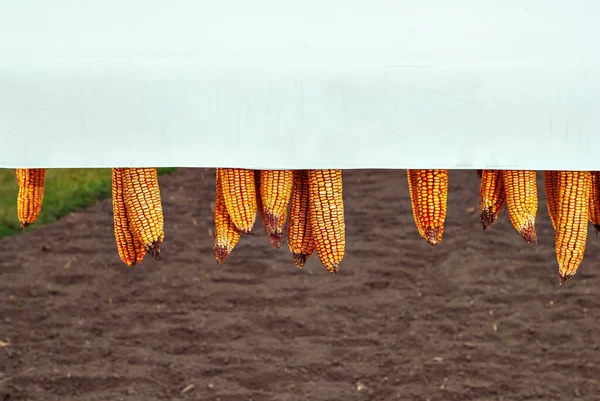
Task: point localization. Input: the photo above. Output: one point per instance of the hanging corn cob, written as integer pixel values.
(520, 188)
(552, 200)
(299, 235)
(131, 250)
(31, 194)
(595, 200)
(144, 208)
(491, 197)
(326, 208)
(227, 235)
(572, 220)
(429, 197)
(239, 192)
(275, 191)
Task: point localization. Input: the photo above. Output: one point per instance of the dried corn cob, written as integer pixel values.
(144, 208)
(595, 200)
(571, 230)
(31, 194)
(300, 236)
(326, 208)
(520, 188)
(227, 235)
(551, 188)
(130, 248)
(239, 191)
(492, 197)
(275, 192)
(429, 196)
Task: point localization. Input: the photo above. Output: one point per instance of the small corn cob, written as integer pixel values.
(300, 236)
(595, 200)
(326, 208)
(144, 208)
(130, 248)
(552, 200)
(239, 191)
(573, 214)
(492, 197)
(275, 192)
(31, 194)
(429, 197)
(520, 188)
(227, 235)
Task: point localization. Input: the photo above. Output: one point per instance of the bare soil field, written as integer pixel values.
(479, 317)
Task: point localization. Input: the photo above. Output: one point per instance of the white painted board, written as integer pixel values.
(314, 84)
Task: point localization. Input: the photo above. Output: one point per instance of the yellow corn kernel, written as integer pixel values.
(131, 249)
(299, 235)
(491, 197)
(595, 200)
(571, 229)
(144, 207)
(551, 189)
(31, 194)
(429, 197)
(227, 235)
(326, 208)
(520, 187)
(275, 192)
(239, 191)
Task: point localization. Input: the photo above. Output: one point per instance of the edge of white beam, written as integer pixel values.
(321, 84)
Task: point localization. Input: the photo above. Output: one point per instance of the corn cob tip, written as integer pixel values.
(154, 250)
(221, 253)
(529, 233)
(24, 224)
(299, 259)
(488, 218)
(333, 268)
(249, 231)
(434, 235)
(563, 278)
(276, 238)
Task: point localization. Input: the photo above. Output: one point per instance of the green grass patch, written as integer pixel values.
(66, 191)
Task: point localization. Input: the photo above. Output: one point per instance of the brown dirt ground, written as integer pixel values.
(480, 317)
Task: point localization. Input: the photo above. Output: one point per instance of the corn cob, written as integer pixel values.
(300, 236)
(595, 200)
(520, 188)
(326, 208)
(144, 208)
(492, 197)
(429, 197)
(551, 188)
(130, 248)
(31, 194)
(239, 191)
(227, 235)
(275, 192)
(573, 213)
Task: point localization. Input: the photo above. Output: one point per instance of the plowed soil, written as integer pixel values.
(479, 317)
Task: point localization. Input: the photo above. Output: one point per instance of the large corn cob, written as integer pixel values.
(130, 248)
(520, 188)
(595, 200)
(573, 214)
(275, 192)
(239, 191)
(300, 236)
(31, 194)
(552, 199)
(227, 235)
(326, 208)
(492, 197)
(429, 197)
(144, 207)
